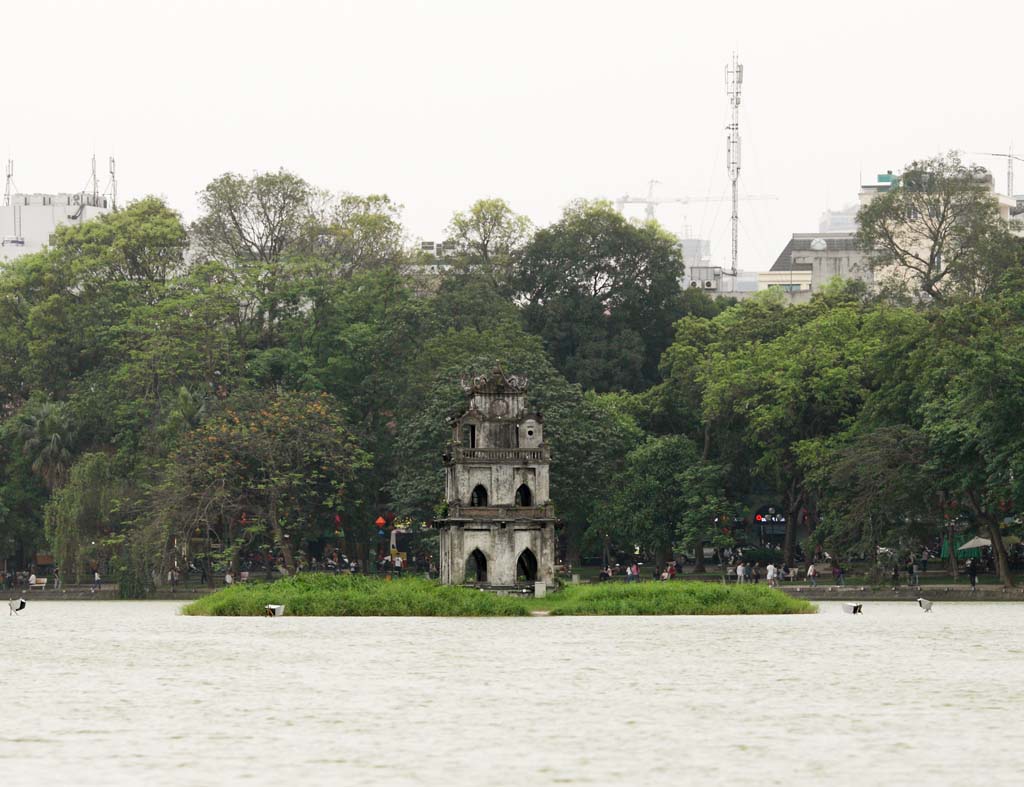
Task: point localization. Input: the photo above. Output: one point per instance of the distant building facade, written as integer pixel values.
(28, 221)
(810, 260)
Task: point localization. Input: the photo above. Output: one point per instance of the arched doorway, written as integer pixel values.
(524, 497)
(478, 497)
(476, 567)
(526, 566)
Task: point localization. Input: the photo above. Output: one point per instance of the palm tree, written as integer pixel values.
(45, 432)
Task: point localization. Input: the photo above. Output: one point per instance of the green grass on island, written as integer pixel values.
(672, 598)
(326, 595)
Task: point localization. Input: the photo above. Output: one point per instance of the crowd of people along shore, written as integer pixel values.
(906, 571)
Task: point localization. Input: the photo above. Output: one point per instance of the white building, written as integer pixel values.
(28, 221)
(844, 220)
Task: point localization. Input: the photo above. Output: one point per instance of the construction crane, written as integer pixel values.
(650, 202)
(1010, 158)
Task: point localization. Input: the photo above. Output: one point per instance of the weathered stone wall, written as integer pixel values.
(497, 444)
(501, 482)
(501, 545)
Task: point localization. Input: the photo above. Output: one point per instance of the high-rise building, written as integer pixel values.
(28, 221)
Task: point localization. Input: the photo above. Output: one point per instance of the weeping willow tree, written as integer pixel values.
(80, 512)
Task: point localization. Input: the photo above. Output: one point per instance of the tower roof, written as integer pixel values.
(495, 382)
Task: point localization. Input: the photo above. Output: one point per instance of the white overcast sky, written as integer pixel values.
(440, 103)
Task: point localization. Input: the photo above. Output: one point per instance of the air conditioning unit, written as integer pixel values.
(709, 285)
(694, 284)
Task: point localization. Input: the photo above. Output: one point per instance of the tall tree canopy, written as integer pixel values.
(602, 293)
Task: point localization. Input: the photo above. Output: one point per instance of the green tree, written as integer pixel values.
(282, 458)
(45, 433)
(603, 294)
(488, 238)
(935, 228)
(83, 512)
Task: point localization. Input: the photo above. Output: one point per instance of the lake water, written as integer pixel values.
(132, 693)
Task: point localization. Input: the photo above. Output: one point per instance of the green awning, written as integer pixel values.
(961, 553)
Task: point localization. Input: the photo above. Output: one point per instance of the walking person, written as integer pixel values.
(96, 584)
(741, 573)
(972, 572)
(812, 575)
(770, 574)
(56, 578)
(757, 573)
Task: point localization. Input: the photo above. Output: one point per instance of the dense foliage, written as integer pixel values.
(277, 376)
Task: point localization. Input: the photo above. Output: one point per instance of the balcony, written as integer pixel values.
(490, 456)
(501, 513)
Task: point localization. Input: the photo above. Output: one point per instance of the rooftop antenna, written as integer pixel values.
(734, 87)
(95, 185)
(10, 181)
(113, 184)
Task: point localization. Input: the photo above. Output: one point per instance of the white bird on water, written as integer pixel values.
(16, 605)
(924, 604)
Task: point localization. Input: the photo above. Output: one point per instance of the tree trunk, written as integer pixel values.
(286, 548)
(793, 502)
(206, 560)
(572, 534)
(953, 566)
(1002, 563)
(698, 559)
(789, 545)
(664, 556)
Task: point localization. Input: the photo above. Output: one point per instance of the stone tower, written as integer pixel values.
(500, 528)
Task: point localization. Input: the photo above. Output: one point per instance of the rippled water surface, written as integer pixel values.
(132, 693)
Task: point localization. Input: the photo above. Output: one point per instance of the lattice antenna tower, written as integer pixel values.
(10, 181)
(734, 88)
(112, 187)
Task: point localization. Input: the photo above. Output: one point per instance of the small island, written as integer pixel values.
(328, 595)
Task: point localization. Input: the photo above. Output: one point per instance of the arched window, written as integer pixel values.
(526, 566)
(478, 497)
(476, 567)
(524, 497)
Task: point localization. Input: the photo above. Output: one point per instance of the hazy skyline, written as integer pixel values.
(438, 104)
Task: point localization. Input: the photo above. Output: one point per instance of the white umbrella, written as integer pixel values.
(975, 543)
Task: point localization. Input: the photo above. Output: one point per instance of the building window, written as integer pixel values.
(478, 497)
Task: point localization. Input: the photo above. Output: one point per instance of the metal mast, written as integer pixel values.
(113, 184)
(734, 86)
(10, 180)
